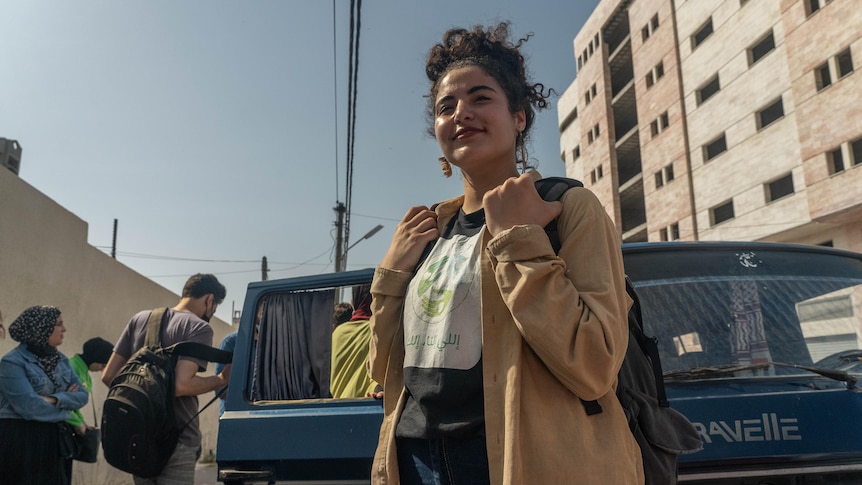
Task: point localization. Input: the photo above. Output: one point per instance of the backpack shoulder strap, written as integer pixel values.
(154, 327)
(552, 189)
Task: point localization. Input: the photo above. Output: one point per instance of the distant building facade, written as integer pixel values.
(10, 155)
(720, 119)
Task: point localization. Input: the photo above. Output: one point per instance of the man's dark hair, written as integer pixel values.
(203, 284)
(342, 313)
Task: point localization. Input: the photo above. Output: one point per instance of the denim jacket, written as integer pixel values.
(23, 382)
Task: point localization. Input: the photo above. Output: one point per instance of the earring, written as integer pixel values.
(523, 150)
(446, 166)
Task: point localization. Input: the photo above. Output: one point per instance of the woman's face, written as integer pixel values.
(472, 121)
(56, 337)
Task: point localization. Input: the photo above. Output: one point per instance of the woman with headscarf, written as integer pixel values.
(38, 391)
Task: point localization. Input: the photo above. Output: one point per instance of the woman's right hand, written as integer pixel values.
(412, 234)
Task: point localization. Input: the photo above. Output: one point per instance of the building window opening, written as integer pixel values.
(702, 34)
(596, 174)
(812, 6)
(670, 233)
(593, 135)
(778, 189)
(845, 63)
(761, 48)
(822, 77)
(663, 176)
(770, 114)
(856, 151)
(659, 124)
(721, 213)
(835, 161)
(715, 148)
(708, 90)
(649, 28)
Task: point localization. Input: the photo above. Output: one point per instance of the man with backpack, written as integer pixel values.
(188, 321)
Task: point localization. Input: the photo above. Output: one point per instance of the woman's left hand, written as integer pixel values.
(515, 203)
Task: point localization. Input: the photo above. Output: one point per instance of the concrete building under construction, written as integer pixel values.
(720, 119)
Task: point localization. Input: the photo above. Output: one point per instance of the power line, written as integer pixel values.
(353, 81)
(257, 270)
(335, 97)
(202, 260)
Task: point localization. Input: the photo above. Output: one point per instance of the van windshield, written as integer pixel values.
(733, 313)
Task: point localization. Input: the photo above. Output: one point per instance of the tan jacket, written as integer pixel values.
(554, 329)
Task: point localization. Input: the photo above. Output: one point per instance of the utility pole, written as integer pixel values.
(114, 244)
(263, 269)
(339, 209)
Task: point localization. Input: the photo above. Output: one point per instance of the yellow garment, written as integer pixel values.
(554, 329)
(350, 377)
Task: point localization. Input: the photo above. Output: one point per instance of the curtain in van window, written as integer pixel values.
(294, 347)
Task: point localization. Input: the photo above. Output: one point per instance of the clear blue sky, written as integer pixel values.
(208, 129)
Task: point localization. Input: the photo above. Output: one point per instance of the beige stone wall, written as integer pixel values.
(570, 136)
(45, 260)
(831, 117)
(595, 71)
(670, 203)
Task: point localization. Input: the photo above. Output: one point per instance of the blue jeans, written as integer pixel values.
(443, 462)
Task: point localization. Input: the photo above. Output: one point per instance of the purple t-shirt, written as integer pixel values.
(180, 327)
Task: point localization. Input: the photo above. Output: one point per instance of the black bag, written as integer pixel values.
(661, 432)
(88, 446)
(88, 443)
(139, 430)
(68, 445)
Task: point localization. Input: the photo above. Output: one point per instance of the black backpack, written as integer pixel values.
(139, 430)
(661, 432)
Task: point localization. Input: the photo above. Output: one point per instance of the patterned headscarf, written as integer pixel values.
(33, 327)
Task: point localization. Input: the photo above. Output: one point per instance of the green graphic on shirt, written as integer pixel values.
(434, 300)
(432, 275)
(435, 303)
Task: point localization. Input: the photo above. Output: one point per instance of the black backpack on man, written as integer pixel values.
(661, 432)
(139, 429)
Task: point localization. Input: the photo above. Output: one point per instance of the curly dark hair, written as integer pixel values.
(490, 49)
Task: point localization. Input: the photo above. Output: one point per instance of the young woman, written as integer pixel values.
(487, 348)
(38, 390)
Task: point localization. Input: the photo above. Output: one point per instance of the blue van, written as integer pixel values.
(759, 343)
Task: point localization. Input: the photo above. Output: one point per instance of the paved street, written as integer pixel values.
(206, 474)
